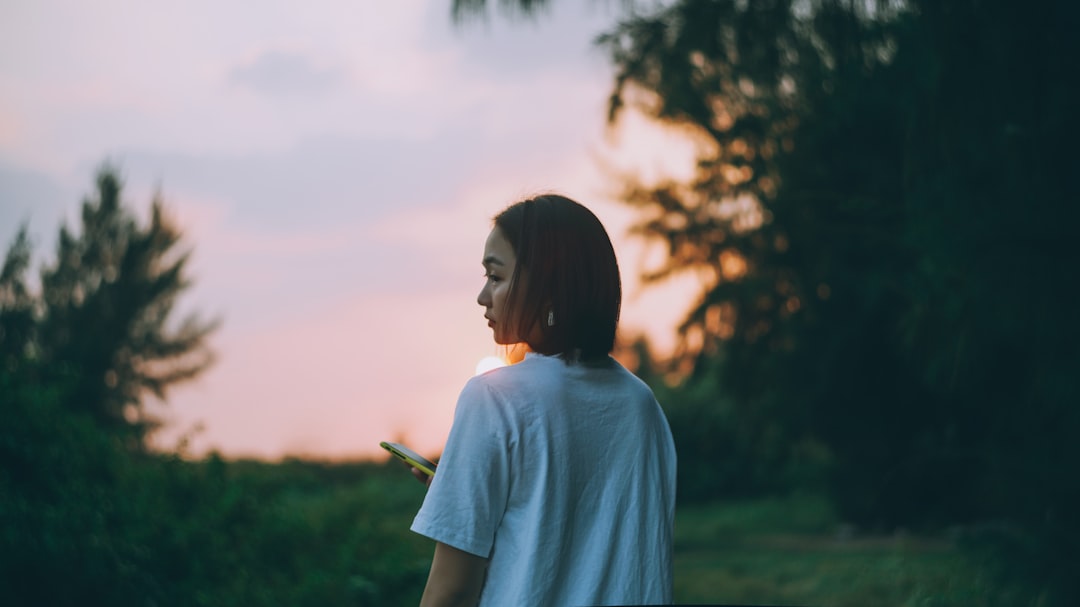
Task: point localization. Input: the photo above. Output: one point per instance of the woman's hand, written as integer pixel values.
(420, 476)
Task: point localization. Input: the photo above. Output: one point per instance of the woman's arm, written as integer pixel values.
(456, 578)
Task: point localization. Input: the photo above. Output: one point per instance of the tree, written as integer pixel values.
(102, 324)
(882, 207)
(16, 305)
(895, 179)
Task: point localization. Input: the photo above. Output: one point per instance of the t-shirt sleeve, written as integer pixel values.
(468, 495)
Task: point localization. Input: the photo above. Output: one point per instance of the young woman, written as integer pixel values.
(557, 482)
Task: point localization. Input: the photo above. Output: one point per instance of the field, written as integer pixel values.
(792, 552)
(295, 533)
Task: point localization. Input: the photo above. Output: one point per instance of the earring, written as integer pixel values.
(551, 318)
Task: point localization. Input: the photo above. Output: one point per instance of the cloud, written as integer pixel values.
(277, 73)
(320, 182)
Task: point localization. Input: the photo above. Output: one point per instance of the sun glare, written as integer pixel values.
(488, 363)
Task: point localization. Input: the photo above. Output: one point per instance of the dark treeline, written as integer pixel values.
(892, 321)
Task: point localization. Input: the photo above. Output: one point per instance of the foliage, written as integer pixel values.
(105, 308)
(880, 213)
(725, 450)
(89, 517)
(88, 522)
(100, 326)
(16, 304)
(899, 299)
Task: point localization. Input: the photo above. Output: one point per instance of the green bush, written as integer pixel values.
(84, 521)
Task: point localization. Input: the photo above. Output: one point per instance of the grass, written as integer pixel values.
(784, 552)
(792, 552)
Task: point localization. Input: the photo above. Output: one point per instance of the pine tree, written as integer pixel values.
(106, 303)
(16, 305)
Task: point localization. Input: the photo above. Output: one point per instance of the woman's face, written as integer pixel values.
(499, 264)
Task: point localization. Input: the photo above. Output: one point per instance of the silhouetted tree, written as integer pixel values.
(16, 305)
(881, 213)
(102, 325)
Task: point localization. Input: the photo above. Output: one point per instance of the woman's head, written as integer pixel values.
(549, 259)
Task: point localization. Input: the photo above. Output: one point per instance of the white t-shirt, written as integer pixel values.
(563, 475)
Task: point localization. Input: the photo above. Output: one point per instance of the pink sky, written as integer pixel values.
(334, 168)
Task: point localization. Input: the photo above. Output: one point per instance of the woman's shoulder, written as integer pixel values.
(525, 371)
(539, 372)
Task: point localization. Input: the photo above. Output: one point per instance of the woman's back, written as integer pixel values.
(563, 475)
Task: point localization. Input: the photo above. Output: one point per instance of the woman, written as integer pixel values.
(557, 482)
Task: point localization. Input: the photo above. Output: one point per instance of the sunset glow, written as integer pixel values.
(488, 363)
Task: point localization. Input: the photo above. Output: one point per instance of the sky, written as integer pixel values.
(334, 167)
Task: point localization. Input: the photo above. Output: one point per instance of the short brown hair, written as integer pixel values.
(566, 266)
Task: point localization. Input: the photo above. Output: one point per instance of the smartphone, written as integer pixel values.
(410, 457)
